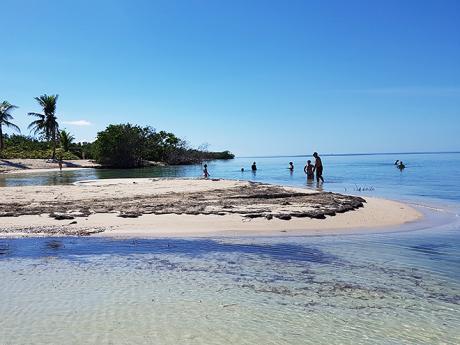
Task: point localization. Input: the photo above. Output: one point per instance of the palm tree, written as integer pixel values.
(47, 124)
(66, 140)
(5, 119)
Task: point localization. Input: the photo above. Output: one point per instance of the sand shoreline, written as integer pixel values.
(190, 207)
(28, 166)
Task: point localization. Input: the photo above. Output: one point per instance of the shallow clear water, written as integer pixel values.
(391, 288)
(375, 289)
(432, 176)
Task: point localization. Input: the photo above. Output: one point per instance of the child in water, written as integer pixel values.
(308, 169)
(205, 171)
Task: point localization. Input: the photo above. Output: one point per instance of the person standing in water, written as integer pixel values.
(291, 166)
(253, 166)
(318, 167)
(60, 157)
(205, 171)
(308, 169)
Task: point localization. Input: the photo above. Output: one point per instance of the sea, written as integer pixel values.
(397, 287)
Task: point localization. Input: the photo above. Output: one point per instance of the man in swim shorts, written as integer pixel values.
(318, 167)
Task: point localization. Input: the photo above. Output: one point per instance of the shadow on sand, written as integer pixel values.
(6, 163)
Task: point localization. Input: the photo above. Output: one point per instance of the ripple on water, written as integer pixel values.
(169, 291)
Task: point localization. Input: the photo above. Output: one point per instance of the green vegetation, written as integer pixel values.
(121, 146)
(66, 139)
(5, 120)
(127, 146)
(46, 125)
(21, 146)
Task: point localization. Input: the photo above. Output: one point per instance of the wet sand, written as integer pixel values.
(189, 207)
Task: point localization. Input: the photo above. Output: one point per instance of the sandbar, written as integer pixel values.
(153, 207)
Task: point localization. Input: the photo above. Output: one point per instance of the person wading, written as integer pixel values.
(309, 170)
(318, 167)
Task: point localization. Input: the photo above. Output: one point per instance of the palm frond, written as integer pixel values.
(37, 115)
(6, 107)
(47, 123)
(12, 125)
(5, 116)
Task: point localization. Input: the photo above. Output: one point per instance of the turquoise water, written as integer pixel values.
(431, 176)
(390, 288)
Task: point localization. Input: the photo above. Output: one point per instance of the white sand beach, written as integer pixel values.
(189, 207)
(19, 166)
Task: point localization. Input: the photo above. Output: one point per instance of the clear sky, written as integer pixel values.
(255, 77)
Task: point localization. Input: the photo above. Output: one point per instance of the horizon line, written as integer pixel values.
(359, 154)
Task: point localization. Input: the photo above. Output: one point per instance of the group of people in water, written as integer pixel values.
(309, 169)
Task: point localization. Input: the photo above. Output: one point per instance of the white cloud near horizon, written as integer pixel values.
(80, 123)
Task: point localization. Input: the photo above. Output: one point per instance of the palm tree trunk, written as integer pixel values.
(54, 145)
(1, 138)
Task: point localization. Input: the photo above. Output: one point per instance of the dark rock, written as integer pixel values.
(8, 214)
(193, 213)
(283, 216)
(54, 244)
(61, 216)
(130, 214)
(253, 215)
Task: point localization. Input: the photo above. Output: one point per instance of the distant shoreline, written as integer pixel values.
(18, 165)
(358, 154)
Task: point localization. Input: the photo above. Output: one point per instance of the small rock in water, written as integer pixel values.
(54, 244)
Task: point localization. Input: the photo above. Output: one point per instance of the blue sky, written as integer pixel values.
(254, 77)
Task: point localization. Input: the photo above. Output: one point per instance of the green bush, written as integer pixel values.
(25, 143)
(14, 153)
(120, 146)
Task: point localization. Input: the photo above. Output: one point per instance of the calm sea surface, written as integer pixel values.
(391, 288)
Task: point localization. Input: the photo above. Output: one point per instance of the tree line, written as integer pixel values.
(121, 145)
